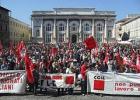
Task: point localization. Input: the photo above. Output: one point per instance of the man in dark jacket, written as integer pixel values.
(36, 78)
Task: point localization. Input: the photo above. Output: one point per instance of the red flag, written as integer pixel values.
(106, 58)
(90, 43)
(21, 50)
(119, 59)
(125, 60)
(54, 51)
(138, 62)
(29, 68)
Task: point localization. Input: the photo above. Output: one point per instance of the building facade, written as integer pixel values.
(129, 25)
(132, 27)
(19, 30)
(4, 26)
(118, 28)
(72, 25)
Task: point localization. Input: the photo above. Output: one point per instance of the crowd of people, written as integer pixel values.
(74, 58)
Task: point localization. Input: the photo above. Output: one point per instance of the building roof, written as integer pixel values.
(132, 15)
(130, 20)
(123, 20)
(18, 21)
(74, 11)
(4, 8)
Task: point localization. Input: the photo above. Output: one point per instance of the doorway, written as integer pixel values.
(74, 38)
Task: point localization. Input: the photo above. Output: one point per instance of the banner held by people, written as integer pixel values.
(113, 83)
(13, 81)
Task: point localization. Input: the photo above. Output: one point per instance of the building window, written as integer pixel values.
(61, 37)
(37, 33)
(61, 27)
(73, 27)
(23, 35)
(11, 34)
(48, 38)
(6, 29)
(49, 27)
(99, 27)
(109, 35)
(86, 27)
(1, 28)
(86, 36)
(99, 37)
(14, 34)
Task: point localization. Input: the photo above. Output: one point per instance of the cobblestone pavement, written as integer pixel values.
(76, 96)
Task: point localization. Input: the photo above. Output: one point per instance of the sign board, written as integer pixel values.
(12, 81)
(113, 83)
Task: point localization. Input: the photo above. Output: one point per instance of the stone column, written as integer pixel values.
(67, 31)
(41, 29)
(80, 30)
(93, 30)
(54, 32)
(32, 25)
(105, 31)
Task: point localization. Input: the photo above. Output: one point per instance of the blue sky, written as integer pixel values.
(22, 9)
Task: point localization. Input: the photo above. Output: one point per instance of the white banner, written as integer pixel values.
(12, 81)
(113, 83)
(59, 81)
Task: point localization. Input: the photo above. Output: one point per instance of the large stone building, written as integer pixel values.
(19, 30)
(72, 25)
(118, 28)
(4, 26)
(129, 25)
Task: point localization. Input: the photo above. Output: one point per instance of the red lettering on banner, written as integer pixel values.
(57, 77)
(120, 84)
(48, 78)
(10, 75)
(134, 85)
(13, 80)
(6, 87)
(123, 89)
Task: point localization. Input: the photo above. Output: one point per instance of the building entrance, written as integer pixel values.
(74, 38)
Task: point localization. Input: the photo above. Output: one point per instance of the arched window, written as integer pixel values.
(48, 38)
(37, 33)
(61, 37)
(86, 27)
(99, 27)
(61, 27)
(85, 36)
(49, 27)
(73, 27)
